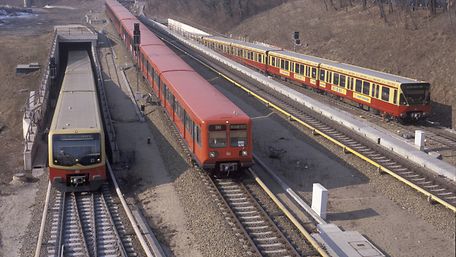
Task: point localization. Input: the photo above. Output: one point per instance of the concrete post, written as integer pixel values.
(419, 139)
(319, 199)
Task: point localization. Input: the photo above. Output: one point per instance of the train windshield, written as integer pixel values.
(415, 94)
(238, 135)
(72, 149)
(217, 136)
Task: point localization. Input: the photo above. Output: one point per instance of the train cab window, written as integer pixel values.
(359, 86)
(402, 100)
(238, 135)
(342, 80)
(72, 149)
(366, 88)
(322, 75)
(336, 79)
(217, 136)
(385, 94)
(394, 96)
(314, 73)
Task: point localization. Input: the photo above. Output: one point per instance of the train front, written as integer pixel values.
(415, 101)
(229, 145)
(76, 160)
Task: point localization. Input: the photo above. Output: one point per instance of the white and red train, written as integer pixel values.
(216, 131)
(76, 137)
(387, 94)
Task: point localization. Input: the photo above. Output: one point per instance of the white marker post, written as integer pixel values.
(419, 139)
(319, 199)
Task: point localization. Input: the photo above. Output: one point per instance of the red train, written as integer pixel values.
(391, 95)
(216, 131)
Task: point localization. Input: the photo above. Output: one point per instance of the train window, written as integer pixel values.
(377, 91)
(71, 149)
(350, 85)
(385, 94)
(287, 65)
(163, 88)
(394, 96)
(282, 64)
(156, 79)
(197, 134)
(301, 69)
(273, 61)
(359, 86)
(217, 136)
(322, 75)
(314, 73)
(188, 123)
(402, 100)
(336, 78)
(241, 53)
(373, 91)
(342, 80)
(238, 135)
(366, 87)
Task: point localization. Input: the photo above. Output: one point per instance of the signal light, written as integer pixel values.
(296, 35)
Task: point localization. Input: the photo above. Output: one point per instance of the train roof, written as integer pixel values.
(166, 61)
(386, 78)
(248, 45)
(357, 71)
(77, 106)
(147, 37)
(119, 10)
(206, 102)
(353, 70)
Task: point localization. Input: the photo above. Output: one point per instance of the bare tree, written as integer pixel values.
(326, 5)
(432, 7)
(364, 4)
(381, 9)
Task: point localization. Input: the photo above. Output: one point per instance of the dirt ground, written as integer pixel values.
(412, 45)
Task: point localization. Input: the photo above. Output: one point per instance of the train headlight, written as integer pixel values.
(244, 153)
(212, 154)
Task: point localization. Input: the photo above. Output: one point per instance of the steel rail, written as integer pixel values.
(290, 216)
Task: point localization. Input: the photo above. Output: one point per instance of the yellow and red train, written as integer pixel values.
(391, 95)
(76, 138)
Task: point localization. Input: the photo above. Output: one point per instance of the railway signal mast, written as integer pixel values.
(296, 40)
(136, 42)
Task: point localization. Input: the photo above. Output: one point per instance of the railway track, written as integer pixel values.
(433, 187)
(87, 224)
(244, 212)
(438, 139)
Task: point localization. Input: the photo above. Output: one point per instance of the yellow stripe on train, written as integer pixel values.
(362, 97)
(339, 90)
